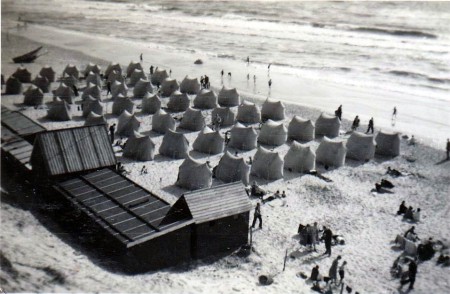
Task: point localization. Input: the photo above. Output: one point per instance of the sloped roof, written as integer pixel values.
(19, 123)
(16, 147)
(72, 150)
(217, 202)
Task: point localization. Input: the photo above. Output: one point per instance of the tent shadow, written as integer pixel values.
(163, 158)
(382, 158)
(152, 134)
(199, 155)
(174, 190)
(290, 175)
(354, 163)
(442, 161)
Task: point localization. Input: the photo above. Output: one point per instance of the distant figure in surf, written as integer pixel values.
(221, 73)
(229, 75)
(270, 83)
(355, 123)
(141, 58)
(268, 67)
(370, 127)
(394, 113)
(254, 79)
(248, 60)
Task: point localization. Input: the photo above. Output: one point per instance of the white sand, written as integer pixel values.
(367, 221)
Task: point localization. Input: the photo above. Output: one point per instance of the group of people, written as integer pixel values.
(408, 212)
(382, 185)
(309, 236)
(204, 82)
(332, 278)
(356, 121)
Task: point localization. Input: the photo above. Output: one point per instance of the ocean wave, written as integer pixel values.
(403, 73)
(406, 33)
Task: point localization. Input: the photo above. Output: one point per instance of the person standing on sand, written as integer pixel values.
(394, 112)
(338, 112)
(248, 60)
(342, 272)
(248, 77)
(151, 69)
(221, 73)
(370, 127)
(355, 123)
(257, 216)
(254, 79)
(412, 271)
(448, 149)
(112, 130)
(327, 236)
(108, 88)
(270, 83)
(141, 58)
(332, 273)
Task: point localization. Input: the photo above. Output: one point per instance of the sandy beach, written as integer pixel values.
(32, 243)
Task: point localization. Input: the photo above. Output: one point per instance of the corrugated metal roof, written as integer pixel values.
(119, 205)
(19, 123)
(16, 147)
(217, 202)
(76, 149)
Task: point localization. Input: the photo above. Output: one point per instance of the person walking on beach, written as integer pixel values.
(151, 69)
(355, 123)
(221, 73)
(327, 236)
(338, 112)
(248, 77)
(270, 83)
(268, 67)
(108, 88)
(248, 60)
(412, 271)
(448, 149)
(332, 273)
(370, 127)
(257, 216)
(75, 90)
(394, 113)
(206, 82)
(342, 272)
(112, 130)
(141, 58)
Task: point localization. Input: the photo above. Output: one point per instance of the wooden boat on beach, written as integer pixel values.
(28, 57)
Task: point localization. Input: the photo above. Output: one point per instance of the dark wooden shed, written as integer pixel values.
(136, 222)
(16, 152)
(63, 153)
(20, 124)
(221, 216)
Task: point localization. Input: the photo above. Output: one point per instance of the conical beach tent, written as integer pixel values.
(301, 130)
(33, 96)
(248, 113)
(273, 133)
(95, 119)
(132, 67)
(162, 122)
(388, 144)
(93, 91)
(13, 86)
(127, 124)
(273, 110)
(113, 67)
(189, 85)
(242, 137)
(48, 72)
(94, 78)
(42, 83)
(139, 148)
(192, 120)
(118, 88)
(23, 75)
(159, 76)
(94, 68)
(142, 87)
(71, 70)
(115, 76)
(229, 97)
(151, 104)
(136, 75)
(59, 111)
(174, 145)
(227, 115)
(178, 102)
(70, 81)
(168, 87)
(360, 146)
(331, 152)
(232, 169)
(122, 103)
(194, 175)
(205, 99)
(65, 93)
(209, 142)
(300, 158)
(327, 125)
(267, 164)
(91, 104)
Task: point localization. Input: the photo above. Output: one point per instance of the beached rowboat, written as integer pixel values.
(28, 57)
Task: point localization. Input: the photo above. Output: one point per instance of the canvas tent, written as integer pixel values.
(242, 137)
(174, 145)
(168, 87)
(273, 110)
(65, 93)
(142, 87)
(23, 75)
(300, 158)
(327, 125)
(189, 85)
(205, 99)
(331, 152)
(232, 169)
(92, 90)
(115, 76)
(59, 111)
(139, 148)
(301, 130)
(273, 133)
(95, 119)
(132, 67)
(192, 120)
(42, 83)
(33, 96)
(229, 97)
(122, 103)
(118, 88)
(94, 78)
(151, 104)
(388, 144)
(13, 86)
(360, 146)
(227, 115)
(194, 175)
(209, 142)
(48, 72)
(71, 70)
(162, 122)
(267, 164)
(70, 81)
(91, 67)
(136, 75)
(91, 104)
(178, 102)
(127, 124)
(113, 67)
(158, 76)
(248, 113)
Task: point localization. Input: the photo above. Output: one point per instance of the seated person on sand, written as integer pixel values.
(402, 209)
(426, 251)
(144, 170)
(121, 169)
(272, 197)
(386, 184)
(411, 235)
(409, 214)
(393, 172)
(283, 195)
(255, 190)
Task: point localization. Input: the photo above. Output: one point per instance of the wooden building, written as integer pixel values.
(21, 125)
(221, 217)
(16, 153)
(148, 235)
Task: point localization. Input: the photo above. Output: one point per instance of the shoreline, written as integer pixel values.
(312, 92)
